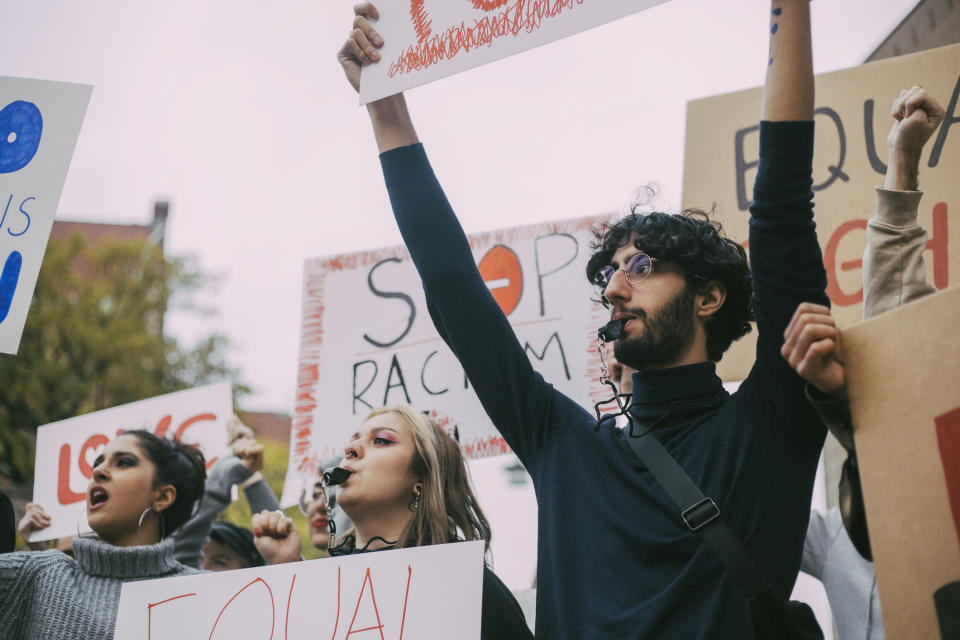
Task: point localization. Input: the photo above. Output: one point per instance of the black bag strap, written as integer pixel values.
(699, 513)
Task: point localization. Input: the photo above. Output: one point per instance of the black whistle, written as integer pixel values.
(611, 331)
(335, 476)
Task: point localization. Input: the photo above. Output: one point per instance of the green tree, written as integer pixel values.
(94, 339)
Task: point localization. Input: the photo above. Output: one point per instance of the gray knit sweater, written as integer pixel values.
(49, 595)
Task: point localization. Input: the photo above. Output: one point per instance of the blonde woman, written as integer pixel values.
(408, 487)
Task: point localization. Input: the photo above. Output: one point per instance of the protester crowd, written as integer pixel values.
(686, 516)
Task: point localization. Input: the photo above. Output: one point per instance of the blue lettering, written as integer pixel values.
(21, 125)
(9, 278)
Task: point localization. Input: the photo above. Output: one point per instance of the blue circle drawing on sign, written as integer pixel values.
(20, 127)
(8, 282)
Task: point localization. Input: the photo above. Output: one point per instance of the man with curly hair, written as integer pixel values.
(615, 559)
(692, 245)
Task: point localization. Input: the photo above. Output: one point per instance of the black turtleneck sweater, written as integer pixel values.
(615, 559)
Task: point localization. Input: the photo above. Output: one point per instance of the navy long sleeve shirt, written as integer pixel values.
(615, 559)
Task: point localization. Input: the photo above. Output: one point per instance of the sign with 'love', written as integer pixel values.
(67, 450)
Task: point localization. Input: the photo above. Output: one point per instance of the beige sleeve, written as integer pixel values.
(893, 269)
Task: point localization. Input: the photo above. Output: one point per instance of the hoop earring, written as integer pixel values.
(140, 524)
(414, 504)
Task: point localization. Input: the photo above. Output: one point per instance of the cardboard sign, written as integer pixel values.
(420, 592)
(852, 122)
(66, 449)
(39, 125)
(367, 339)
(903, 377)
(425, 40)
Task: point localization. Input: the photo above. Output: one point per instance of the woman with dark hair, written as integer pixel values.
(143, 488)
(407, 487)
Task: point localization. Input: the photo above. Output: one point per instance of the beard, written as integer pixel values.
(665, 335)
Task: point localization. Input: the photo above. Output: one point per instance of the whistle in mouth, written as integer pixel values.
(611, 331)
(335, 476)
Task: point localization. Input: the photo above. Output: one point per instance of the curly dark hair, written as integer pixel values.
(695, 242)
(178, 464)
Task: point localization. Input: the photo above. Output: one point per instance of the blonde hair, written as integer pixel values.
(448, 509)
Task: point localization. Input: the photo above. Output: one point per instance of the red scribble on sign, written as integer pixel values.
(522, 16)
(485, 447)
(488, 5)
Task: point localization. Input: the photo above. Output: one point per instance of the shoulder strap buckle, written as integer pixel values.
(700, 514)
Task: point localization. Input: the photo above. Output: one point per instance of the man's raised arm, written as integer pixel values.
(463, 310)
(391, 121)
(788, 90)
(786, 264)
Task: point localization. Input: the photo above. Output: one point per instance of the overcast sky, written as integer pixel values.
(237, 112)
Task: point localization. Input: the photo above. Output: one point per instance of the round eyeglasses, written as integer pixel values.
(637, 268)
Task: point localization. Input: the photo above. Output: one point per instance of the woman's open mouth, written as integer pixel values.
(97, 498)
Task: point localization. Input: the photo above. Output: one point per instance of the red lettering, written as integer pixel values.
(373, 598)
(273, 612)
(163, 426)
(151, 605)
(938, 243)
(839, 297)
(406, 595)
(93, 442)
(948, 441)
(336, 622)
(65, 495)
(286, 620)
(189, 422)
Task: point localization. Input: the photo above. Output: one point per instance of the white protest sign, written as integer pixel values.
(367, 339)
(425, 40)
(66, 449)
(418, 593)
(39, 125)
